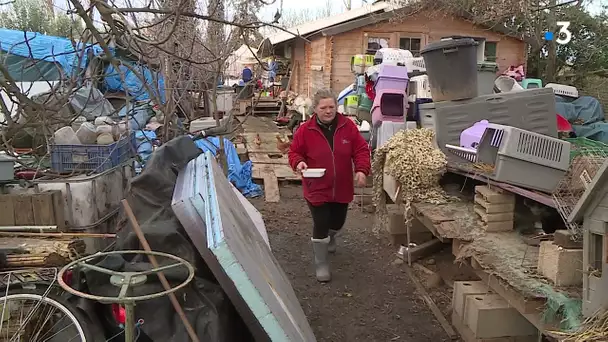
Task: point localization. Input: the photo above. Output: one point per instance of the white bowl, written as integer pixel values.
(313, 173)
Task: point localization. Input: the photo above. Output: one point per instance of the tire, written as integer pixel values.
(54, 297)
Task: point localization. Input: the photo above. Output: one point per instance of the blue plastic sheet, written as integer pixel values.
(47, 48)
(67, 54)
(584, 110)
(112, 81)
(238, 174)
(143, 141)
(586, 116)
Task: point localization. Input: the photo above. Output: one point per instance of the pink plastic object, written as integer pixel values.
(471, 136)
(391, 77)
(563, 125)
(389, 105)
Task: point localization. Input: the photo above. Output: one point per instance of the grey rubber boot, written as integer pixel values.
(319, 247)
(332, 242)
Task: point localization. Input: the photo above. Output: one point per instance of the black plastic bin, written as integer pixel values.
(452, 69)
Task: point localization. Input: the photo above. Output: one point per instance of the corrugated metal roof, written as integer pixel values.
(314, 26)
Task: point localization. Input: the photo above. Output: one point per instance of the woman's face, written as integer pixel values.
(326, 110)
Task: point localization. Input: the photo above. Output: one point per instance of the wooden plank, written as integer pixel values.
(515, 299)
(271, 187)
(430, 219)
(59, 210)
(42, 205)
(268, 158)
(281, 171)
(7, 210)
(267, 143)
(530, 194)
(24, 211)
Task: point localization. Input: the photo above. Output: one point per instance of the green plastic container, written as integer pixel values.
(531, 83)
(365, 103)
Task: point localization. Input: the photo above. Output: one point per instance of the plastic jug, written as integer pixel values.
(66, 136)
(87, 133)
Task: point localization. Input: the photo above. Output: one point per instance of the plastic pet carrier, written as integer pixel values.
(524, 158)
(389, 105)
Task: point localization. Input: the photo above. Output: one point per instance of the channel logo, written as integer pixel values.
(564, 36)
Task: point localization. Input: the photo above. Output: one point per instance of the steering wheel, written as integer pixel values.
(125, 280)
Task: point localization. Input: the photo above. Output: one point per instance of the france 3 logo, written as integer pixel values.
(564, 36)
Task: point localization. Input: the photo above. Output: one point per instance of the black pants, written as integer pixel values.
(326, 217)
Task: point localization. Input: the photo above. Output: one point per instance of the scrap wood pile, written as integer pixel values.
(411, 158)
(17, 252)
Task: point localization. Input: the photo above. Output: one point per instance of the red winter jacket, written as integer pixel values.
(310, 146)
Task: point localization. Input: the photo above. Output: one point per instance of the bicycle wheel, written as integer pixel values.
(40, 316)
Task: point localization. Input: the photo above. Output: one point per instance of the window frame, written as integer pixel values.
(494, 58)
(371, 35)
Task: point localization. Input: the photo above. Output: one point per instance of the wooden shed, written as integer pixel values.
(322, 59)
(592, 209)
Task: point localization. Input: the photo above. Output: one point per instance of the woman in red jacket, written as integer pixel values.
(331, 141)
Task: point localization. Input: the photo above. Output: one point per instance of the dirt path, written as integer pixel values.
(369, 297)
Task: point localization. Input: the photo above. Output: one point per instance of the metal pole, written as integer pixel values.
(130, 322)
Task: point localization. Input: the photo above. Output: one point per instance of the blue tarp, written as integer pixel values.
(47, 48)
(586, 116)
(64, 52)
(238, 174)
(135, 87)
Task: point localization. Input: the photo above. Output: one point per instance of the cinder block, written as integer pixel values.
(562, 266)
(463, 289)
(497, 227)
(493, 208)
(466, 335)
(494, 195)
(490, 316)
(496, 217)
(564, 239)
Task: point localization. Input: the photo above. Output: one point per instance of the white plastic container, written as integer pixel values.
(563, 90)
(66, 136)
(313, 173)
(87, 133)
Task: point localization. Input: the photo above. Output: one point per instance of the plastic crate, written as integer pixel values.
(563, 90)
(94, 158)
(524, 158)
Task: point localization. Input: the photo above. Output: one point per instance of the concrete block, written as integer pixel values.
(496, 227)
(494, 195)
(562, 266)
(490, 316)
(463, 289)
(396, 220)
(493, 208)
(563, 238)
(466, 335)
(496, 217)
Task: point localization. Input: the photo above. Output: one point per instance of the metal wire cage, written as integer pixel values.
(586, 158)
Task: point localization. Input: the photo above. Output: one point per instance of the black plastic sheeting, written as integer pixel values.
(207, 307)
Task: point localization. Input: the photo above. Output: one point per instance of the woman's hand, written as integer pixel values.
(301, 167)
(360, 179)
